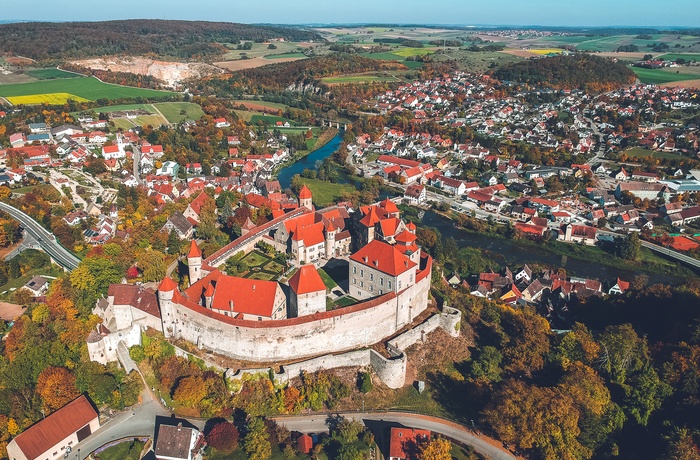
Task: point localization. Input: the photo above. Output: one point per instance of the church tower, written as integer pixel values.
(194, 261)
(305, 198)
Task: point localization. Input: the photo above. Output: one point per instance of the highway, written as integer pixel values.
(46, 240)
(490, 448)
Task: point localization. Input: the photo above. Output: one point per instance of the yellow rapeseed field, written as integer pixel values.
(48, 98)
(546, 51)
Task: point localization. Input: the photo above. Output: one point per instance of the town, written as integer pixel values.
(297, 260)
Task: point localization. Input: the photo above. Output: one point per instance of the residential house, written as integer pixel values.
(176, 442)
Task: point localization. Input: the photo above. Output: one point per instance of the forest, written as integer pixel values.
(45, 41)
(592, 73)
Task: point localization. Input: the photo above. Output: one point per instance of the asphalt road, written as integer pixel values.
(46, 240)
(380, 420)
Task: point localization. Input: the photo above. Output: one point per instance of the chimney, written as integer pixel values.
(179, 426)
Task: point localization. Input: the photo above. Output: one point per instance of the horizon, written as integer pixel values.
(503, 13)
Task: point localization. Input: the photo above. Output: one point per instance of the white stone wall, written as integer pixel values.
(14, 452)
(367, 282)
(307, 304)
(296, 339)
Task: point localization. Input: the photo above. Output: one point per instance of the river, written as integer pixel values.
(309, 161)
(516, 255)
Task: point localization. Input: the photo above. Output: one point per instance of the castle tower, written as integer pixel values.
(194, 260)
(305, 197)
(298, 247)
(166, 291)
(208, 296)
(411, 227)
(330, 240)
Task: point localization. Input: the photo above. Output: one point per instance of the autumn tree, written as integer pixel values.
(435, 449)
(56, 386)
(223, 437)
(190, 391)
(531, 417)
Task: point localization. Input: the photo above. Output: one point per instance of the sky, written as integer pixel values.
(669, 13)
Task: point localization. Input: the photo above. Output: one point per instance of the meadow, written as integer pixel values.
(659, 76)
(676, 56)
(79, 88)
(356, 79)
(49, 74)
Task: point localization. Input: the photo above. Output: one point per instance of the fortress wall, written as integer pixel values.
(296, 339)
(391, 371)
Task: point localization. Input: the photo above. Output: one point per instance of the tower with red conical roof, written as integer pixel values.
(194, 261)
(305, 198)
(330, 231)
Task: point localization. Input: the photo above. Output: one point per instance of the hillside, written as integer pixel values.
(584, 71)
(181, 39)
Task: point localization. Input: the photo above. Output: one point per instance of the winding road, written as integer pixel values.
(46, 240)
(485, 446)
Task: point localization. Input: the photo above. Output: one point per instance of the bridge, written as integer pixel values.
(695, 263)
(46, 240)
(335, 123)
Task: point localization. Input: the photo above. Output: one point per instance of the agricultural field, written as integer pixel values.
(81, 88)
(177, 112)
(667, 75)
(260, 105)
(49, 74)
(48, 98)
(676, 56)
(642, 152)
(285, 55)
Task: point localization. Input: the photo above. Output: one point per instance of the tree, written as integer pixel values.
(436, 449)
(681, 446)
(364, 382)
(190, 391)
(152, 264)
(537, 418)
(173, 243)
(56, 386)
(630, 247)
(486, 367)
(223, 437)
(257, 440)
(349, 452)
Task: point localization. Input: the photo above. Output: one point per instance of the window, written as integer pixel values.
(399, 284)
(381, 292)
(362, 284)
(388, 284)
(371, 288)
(371, 276)
(354, 270)
(354, 281)
(411, 278)
(362, 272)
(381, 281)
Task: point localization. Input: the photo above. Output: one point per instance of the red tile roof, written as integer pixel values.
(249, 296)
(306, 280)
(135, 296)
(305, 193)
(383, 257)
(194, 250)
(403, 441)
(48, 432)
(198, 202)
(305, 443)
(167, 285)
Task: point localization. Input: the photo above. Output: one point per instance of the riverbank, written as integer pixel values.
(578, 260)
(297, 164)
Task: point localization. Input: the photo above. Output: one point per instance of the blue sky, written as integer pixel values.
(463, 12)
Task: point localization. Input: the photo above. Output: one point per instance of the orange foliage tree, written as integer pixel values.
(56, 386)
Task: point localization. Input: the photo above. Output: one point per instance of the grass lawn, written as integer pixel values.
(406, 52)
(269, 119)
(54, 271)
(49, 74)
(124, 108)
(172, 111)
(87, 88)
(255, 259)
(659, 76)
(345, 301)
(326, 193)
(127, 450)
(327, 280)
(641, 152)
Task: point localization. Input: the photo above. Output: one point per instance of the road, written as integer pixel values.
(480, 443)
(46, 240)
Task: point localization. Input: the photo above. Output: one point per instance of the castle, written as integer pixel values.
(265, 321)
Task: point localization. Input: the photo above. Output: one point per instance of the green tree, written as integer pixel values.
(174, 243)
(257, 440)
(486, 366)
(364, 382)
(152, 264)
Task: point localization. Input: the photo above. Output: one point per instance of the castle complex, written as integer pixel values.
(265, 321)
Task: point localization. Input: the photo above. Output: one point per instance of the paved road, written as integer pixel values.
(47, 240)
(317, 424)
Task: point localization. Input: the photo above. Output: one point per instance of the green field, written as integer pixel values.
(49, 74)
(356, 79)
(88, 88)
(272, 105)
(327, 280)
(173, 111)
(326, 193)
(285, 56)
(675, 56)
(269, 119)
(641, 152)
(659, 76)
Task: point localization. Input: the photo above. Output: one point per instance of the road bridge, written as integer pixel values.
(46, 239)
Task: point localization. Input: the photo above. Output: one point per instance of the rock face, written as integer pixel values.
(170, 72)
